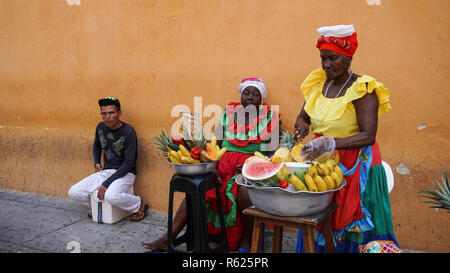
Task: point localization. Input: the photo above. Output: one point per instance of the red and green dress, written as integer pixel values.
(364, 212)
(241, 142)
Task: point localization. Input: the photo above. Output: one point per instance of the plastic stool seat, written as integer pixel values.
(196, 235)
(104, 212)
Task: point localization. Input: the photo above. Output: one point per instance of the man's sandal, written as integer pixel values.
(138, 216)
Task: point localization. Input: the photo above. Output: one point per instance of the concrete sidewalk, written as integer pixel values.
(34, 223)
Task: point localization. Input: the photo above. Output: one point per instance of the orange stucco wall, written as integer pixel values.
(58, 59)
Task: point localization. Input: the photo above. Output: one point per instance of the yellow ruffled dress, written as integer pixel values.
(337, 117)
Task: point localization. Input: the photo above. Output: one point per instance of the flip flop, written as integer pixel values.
(140, 215)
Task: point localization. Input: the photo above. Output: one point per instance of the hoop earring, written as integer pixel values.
(350, 71)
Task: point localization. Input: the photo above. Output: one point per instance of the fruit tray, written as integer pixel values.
(287, 202)
(194, 169)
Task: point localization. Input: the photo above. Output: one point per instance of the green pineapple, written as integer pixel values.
(193, 130)
(163, 141)
(198, 142)
(287, 140)
(441, 198)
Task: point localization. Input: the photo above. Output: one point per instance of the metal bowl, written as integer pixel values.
(287, 202)
(194, 169)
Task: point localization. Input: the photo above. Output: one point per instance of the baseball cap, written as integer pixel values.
(109, 101)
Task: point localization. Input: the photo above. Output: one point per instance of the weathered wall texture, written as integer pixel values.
(58, 59)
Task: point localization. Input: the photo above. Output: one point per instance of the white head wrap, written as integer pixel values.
(337, 31)
(255, 82)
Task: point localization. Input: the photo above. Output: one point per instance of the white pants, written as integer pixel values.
(116, 194)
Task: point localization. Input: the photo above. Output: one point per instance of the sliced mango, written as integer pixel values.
(296, 151)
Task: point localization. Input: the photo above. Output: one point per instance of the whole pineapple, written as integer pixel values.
(163, 141)
(440, 198)
(283, 153)
(287, 140)
(193, 130)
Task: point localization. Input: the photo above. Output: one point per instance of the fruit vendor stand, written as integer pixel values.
(194, 159)
(300, 193)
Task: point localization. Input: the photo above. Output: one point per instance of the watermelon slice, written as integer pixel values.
(261, 170)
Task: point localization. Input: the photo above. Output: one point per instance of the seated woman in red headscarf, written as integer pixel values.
(246, 126)
(342, 109)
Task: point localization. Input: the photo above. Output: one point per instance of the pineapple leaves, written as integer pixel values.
(437, 194)
(440, 187)
(165, 141)
(445, 182)
(287, 140)
(162, 141)
(441, 198)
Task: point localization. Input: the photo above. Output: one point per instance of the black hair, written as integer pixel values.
(109, 101)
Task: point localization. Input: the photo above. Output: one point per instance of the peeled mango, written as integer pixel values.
(296, 153)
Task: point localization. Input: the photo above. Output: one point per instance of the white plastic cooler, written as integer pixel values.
(103, 212)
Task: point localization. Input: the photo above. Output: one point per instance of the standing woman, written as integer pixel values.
(342, 109)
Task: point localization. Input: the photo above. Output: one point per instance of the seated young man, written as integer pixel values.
(117, 141)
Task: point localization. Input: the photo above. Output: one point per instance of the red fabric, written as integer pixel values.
(227, 169)
(348, 197)
(345, 45)
(252, 79)
(235, 128)
(234, 233)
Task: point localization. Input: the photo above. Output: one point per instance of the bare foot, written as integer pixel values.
(161, 243)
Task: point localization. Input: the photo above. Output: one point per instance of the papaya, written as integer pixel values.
(211, 151)
(209, 154)
(204, 157)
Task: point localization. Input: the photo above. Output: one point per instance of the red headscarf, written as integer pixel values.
(343, 45)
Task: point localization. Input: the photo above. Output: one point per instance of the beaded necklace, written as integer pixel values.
(340, 90)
